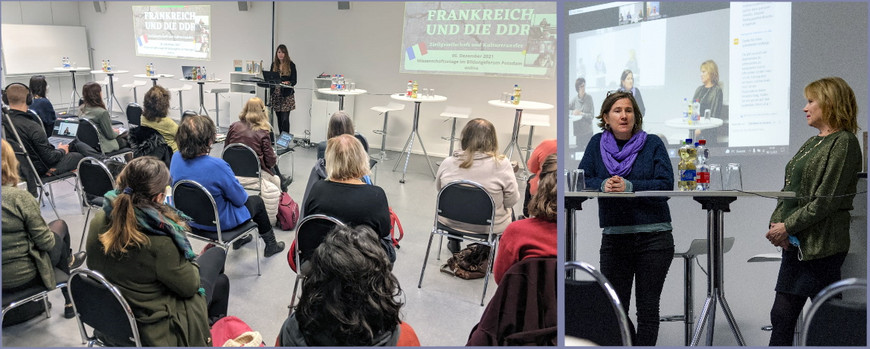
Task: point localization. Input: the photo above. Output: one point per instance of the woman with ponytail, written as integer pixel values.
(140, 245)
(533, 237)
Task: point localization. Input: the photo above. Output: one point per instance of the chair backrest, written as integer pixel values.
(94, 177)
(134, 114)
(593, 310)
(187, 113)
(100, 305)
(835, 322)
(310, 233)
(195, 201)
(466, 201)
(242, 160)
(87, 133)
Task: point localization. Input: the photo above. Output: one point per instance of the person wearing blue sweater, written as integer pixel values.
(637, 245)
(195, 136)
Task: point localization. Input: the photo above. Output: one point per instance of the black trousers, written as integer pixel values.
(259, 215)
(283, 121)
(214, 281)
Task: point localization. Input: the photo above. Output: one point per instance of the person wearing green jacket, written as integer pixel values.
(813, 228)
(94, 109)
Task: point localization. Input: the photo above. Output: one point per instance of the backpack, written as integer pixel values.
(288, 212)
(469, 263)
(394, 222)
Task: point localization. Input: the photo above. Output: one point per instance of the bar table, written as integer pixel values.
(111, 74)
(75, 92)
(153, 77)
(410, 143)
(341, 94)
(523, 105)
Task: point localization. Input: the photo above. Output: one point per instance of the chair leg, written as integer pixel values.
(440, 244)
(46, 305)
(425, 259)
(85, 229)
(257, 248)
(51, 199)
(295, 287)
(452, 137)
(489, 263)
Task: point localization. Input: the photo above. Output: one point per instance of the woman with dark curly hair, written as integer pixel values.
(350, 297)
(155, 107)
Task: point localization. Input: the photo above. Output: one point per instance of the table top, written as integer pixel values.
(524, 105)
(110, 72)
(702, 124)
(202, 81)
(673, 193)
(419, 99)
(329, 91)
(72, 68)
(155, 76)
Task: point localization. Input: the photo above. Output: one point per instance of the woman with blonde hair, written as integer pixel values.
(283, 99)
(345, 196)
(253, 130)
(479, 161)
(140, 245)
(710, 97)
(31, 248)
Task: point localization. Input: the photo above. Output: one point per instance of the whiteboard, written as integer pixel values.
(29, 49)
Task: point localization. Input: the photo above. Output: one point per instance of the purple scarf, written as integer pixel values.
(619, 162)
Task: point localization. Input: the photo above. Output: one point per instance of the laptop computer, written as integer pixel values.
(272, 77)
(283, 143)
(187, 72)
(64, 132)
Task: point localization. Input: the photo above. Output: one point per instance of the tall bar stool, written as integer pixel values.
(217, 109)
(134, 85)
(532, 120)
(696, 248)
(185, 87)
(777, 257)
(385, 109)
(454, 113)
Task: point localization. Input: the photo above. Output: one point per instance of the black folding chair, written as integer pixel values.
(88, 134)
(466, 202)
(837, 322)
(93, 180)
(100, 305)
(244, 162)
(195, 201)
(38, 293)
(134, 115)
(309, 234)
(593, 310)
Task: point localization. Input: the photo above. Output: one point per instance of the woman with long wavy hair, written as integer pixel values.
(94, 109)
(283, 99)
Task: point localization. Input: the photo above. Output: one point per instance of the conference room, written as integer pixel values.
(461, 67)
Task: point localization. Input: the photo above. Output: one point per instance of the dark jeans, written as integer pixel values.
(642, 258)
(283, 121)
(214, 281)
(259, 215)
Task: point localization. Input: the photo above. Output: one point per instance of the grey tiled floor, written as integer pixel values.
(442, 312)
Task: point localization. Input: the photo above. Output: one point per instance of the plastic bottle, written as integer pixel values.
(151, 68)
(703, 170)
(108, 65)
(65, 61)
(691, 113)
(341, 82)
(516, 97)
(104, 65)
(696, 110)
(687, 168)
(410, 88)
(334, 82)
(414, 89)
(204, 73)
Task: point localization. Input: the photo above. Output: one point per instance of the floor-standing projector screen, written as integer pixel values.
(173, 31)
(480, 38)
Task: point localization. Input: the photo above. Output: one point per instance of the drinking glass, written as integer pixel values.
(733, 178)
(352, 86)
(505, 97)
(579, 180)
(716, 177)
(425, 93)
(432, 92)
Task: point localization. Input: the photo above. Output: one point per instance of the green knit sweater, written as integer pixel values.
(26, 240)
(823, 174)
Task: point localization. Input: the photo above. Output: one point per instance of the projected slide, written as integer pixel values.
(174, 31)
(480, 38)
(745, 49)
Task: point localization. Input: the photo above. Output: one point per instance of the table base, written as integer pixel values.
(514, 143)
(75, 93)
(410, 144)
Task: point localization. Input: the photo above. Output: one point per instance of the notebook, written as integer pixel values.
(64, 132)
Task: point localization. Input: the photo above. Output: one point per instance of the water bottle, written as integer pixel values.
(334, 82)
(688, 156)
(341, 82)
(515, 99)
(151, 69)
(696, 109)
(410, 88)
(108, 65)
(414, 89)
(203, 73)
(703, 170)
(66, 62)
(103, 65)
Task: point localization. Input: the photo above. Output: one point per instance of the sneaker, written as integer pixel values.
(271, 250)
(453, 246)
(241, 242)
(77, 259)
(68, 312)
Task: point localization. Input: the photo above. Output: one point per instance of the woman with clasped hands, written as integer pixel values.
(637, 245)
(813, 228)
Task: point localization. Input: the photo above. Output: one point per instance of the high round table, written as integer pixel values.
(75, 92)
(111, 74)
(201, 82)
(523, 105)
(341, 94)
(153, 77)
(410, 142)
(702, 124)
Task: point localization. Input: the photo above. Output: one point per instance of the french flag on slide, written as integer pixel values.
(416, 51)
(142, 39)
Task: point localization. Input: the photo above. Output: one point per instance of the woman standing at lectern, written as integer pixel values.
(283, 100)
(813, 228)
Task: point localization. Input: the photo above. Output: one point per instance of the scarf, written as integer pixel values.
(619, 162)
(152, 222)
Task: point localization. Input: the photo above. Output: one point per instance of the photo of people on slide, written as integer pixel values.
(541, 48)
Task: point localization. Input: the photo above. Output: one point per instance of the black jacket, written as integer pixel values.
(147, 141)
(41, 152)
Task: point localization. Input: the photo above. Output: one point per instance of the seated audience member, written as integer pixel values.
(196, 135)
(94, 109)
(47, 159)
(535, 236)
(343, 195)
(140, 245)
(155, 108)
(536, 161)
(339, 124)
(31, 249)
(253, 130)
(480, 162)
(350, 296)
(41, 105)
